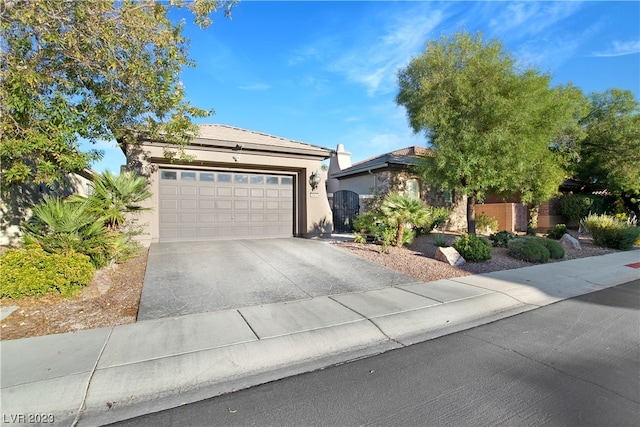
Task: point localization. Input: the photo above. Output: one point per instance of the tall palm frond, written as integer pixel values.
(116, 195)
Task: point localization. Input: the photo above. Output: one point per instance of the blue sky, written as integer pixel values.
(325, 72)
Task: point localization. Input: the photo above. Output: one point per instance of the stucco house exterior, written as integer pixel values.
(239, 184)
(393, 171)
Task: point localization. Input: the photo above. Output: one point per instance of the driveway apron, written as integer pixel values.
(195, 277)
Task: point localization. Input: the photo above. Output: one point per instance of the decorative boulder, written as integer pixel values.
(569, 242)
(449, 255)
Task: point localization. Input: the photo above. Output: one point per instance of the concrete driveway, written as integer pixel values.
(195, 277)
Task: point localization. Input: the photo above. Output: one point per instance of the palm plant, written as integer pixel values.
(401, 210)
(67, 227)
(113, 196)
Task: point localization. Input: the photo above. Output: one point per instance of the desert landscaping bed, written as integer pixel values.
(114, 295)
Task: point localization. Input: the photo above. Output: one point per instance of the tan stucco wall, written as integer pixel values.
(361, 184)
(312, 212)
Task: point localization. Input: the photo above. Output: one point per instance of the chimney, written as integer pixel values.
(339, 161)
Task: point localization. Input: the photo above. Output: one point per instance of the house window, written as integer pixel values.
(412, 189)
(188, 176)
(168, 175)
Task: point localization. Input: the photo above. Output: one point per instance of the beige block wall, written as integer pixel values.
(313, 215)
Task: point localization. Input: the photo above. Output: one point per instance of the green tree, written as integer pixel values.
(609, 156)
(400, 210)
(114, 196)
(98, 70)
(491, 124)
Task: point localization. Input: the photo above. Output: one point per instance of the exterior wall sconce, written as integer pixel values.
(314, 180)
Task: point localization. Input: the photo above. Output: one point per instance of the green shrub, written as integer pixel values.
(359, 237)
(528, 249)
(577, 206)
(473, 248)
(435, 218)
(440, 241)
(557, 232)
(33, 272)
(501, 238)
(555, 250)
(367, 222)
(610, 232)
(486, 223)
(70, 227)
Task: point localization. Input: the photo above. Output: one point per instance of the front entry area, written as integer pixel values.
(214, 205)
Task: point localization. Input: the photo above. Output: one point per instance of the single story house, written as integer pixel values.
(239, 184)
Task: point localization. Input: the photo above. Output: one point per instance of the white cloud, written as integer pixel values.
(255, 87)
(375, 58)
(527, 19)
(618, 48)
(373, 48)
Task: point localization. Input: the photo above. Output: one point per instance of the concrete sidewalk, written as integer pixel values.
(105, 375)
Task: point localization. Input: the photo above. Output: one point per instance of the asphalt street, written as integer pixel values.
(576, 362)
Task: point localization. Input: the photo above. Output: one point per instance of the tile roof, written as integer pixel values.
(408, 156)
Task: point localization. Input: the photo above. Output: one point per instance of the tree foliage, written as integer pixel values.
(609, 156)
(98, 70)
(490, 123)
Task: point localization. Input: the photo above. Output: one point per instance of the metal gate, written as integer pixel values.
(346, 205)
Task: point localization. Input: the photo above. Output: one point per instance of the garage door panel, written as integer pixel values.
(207, 218)
(188, 204)
(169, 204)
(206, 205)
(186, 218)
(169, 190)
(224, 205)
(241, 192)
(207, 191)
(169, 233)
(188, 233)
(224, 191)
(169, 218)
(241, 217)
(206, 232)
(225, 217)
(188, 191)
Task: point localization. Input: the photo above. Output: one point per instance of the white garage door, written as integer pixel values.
(209, 205)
